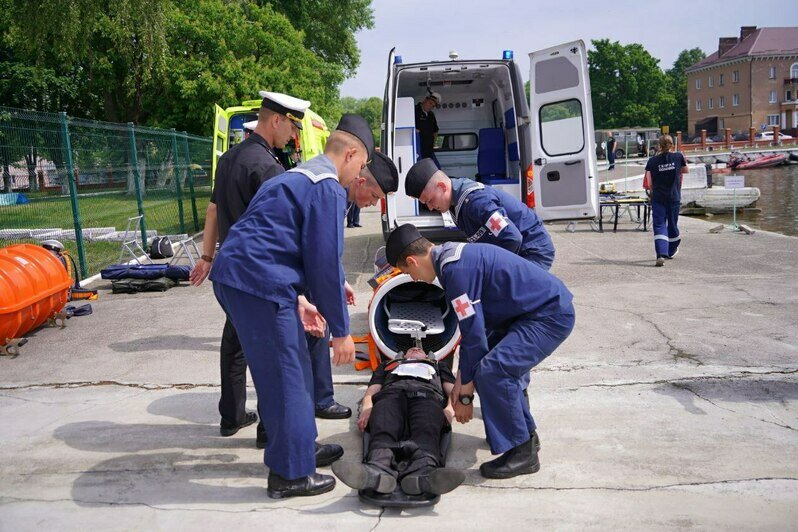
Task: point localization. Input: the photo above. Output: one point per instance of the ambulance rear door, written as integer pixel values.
(388, 205)
(563, 171)
(221, 124)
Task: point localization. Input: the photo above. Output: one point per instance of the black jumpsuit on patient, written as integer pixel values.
(407, 420)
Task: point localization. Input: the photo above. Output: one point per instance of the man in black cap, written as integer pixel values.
(290, 242)
(427, 125)
(240, 172)
(512, 315)
(376, 181)
(484, 213)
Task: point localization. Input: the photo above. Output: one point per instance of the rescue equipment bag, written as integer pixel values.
(145, 271)
(161, 248)
(132, 286)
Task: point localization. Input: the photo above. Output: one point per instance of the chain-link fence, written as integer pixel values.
(82, 181)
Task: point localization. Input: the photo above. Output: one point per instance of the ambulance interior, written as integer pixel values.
(478, 132)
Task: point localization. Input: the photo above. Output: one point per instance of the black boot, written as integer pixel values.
(436, 482)
(314, 484)
(328, 453)
(334, 411)
(520, 460)
(226, 429)
(364, 476)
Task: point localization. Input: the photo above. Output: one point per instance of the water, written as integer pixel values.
(778, 203)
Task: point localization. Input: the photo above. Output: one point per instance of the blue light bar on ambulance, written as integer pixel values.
(507, 55)
(397, 60)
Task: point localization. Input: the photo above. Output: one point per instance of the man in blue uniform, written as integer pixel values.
(290, 242)
(240, 173)
(485, 214)
(512, 314)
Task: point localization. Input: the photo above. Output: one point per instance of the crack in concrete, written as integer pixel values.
(699, 378)
(379, 519)
(687, 388)
(633, 488)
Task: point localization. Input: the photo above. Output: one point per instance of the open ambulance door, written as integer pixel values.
(220, 139)
(388, 205)
(563, 172)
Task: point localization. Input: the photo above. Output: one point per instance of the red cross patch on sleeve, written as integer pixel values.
(463, 307)
(496, 223)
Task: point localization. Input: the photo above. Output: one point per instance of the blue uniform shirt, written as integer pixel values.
(492, 216)
(290, 241)
(489, 288)
(666, 176)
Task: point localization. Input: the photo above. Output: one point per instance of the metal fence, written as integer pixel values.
(80, 181)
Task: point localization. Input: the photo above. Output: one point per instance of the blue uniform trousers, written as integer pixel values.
(503, 374)
(274, 344)
(319, 349)
(664, 217)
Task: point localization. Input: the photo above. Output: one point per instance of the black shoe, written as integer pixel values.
(349, 226)
(440, 480)
(315, 484)
(535, 440)
(260, 438)
(328, 453)
(334, 411)
(364, 476)
(357, 225)
(521, 460)
(227, 430)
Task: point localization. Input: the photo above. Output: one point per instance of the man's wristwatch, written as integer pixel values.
(207, 258)
(466, 399)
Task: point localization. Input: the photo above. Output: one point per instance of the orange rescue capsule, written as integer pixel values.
(34, 286)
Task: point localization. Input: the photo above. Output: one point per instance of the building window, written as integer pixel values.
(697, 83)
(698, 105)
(721, 123)
(772, 97)
(722, 102)
(773, 120)
(794, 71)
(721, 79)
(711, 103)
(735, 100)
(787, 95)
(736, 76)
(772, 73)
(710, 81)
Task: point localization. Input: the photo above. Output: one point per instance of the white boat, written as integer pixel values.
(695, 191)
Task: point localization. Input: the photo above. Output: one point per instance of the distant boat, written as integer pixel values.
(765, 161)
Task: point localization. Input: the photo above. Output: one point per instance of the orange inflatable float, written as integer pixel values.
(34, 287)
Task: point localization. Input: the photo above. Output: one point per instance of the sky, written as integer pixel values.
(429, 29)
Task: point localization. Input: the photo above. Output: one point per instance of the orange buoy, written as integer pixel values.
(34, 286)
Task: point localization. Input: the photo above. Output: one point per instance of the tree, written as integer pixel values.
(676, 115)
(329, 27)
(368, 108)
(628, 87)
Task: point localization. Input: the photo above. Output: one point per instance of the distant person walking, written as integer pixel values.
(663, 181)
(611, 152)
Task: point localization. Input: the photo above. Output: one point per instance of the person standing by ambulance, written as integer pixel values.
(289, 242)
(663, 180)
(427, 125)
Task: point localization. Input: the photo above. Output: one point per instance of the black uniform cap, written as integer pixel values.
(356, 125)
(402, 236)
(418, 176)
(384, 172)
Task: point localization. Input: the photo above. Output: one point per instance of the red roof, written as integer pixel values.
(761, 42)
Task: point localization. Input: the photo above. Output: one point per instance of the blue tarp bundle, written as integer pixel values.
(145, 271)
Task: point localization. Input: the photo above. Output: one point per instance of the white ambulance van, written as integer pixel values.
(540, 150)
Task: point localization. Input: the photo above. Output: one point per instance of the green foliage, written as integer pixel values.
(628, 87)
(676, 114)
(167, 62)
(560, 111)
(368, 108)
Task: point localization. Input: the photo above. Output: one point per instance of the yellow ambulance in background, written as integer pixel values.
(229, 123)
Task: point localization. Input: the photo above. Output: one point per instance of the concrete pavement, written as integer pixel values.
(674, 404)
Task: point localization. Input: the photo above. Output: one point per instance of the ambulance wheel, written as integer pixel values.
(618, 153)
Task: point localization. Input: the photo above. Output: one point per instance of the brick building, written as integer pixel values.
(750, 81)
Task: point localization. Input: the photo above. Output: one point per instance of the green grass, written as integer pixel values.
(104, 209)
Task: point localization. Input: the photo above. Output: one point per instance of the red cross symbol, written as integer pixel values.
(496, 223)
(463, 307)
